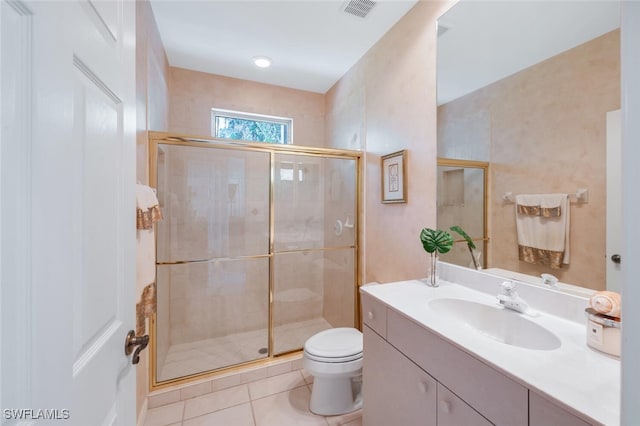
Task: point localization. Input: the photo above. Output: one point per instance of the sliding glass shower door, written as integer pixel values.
(256, 252)
(213, 259)
(314, 247)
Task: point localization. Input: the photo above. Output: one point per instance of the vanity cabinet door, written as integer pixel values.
(395, 390)
(374, 314)
(544, 413)
(501, 400)
(452, 411)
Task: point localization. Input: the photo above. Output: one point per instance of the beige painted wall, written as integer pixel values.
(151, 107)
(544, 131)
(194, 93)
(386, 103)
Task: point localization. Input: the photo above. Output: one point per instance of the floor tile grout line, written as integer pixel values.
(277, 393)
(214, 411)
(211, 412)
(272, 377)
(253, 413)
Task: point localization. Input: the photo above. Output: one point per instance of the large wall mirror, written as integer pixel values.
(531, 88)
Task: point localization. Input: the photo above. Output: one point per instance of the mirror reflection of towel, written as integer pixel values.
(543, 238)
(547, 205)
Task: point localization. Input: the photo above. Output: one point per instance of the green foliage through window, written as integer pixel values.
(251, 128)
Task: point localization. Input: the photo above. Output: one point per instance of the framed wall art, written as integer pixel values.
(394, 177)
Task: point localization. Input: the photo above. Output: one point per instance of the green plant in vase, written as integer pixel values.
(470, 245)
(434, 242)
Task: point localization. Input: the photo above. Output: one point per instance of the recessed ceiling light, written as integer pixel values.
(262, 61)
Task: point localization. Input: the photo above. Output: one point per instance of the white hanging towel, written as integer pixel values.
(148, 212)
(542, 224)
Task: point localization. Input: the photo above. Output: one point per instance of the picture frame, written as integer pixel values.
(394, 177)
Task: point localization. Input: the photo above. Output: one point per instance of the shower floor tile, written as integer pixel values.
(185, 359)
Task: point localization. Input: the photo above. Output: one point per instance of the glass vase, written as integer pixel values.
(475, 261)
(432, 270)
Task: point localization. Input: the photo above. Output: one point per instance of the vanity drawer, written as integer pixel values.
(543, 412)
(498, 398)
(374, 314)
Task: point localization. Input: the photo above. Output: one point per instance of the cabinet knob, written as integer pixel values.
(445, 406)
(423, 387)
(370, 315)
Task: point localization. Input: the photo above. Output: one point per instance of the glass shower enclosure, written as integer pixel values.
(256, 252)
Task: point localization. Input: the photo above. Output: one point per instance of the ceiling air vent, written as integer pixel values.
(360, 8)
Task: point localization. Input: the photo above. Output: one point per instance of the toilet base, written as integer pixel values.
(333, 396)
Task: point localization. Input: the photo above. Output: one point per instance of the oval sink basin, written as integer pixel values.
(498, 323)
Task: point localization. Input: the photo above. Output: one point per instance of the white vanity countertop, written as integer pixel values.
(576, 376)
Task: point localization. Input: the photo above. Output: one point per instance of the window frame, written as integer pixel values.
(227, 113)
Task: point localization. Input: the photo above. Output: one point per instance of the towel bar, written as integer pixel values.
(581, 196)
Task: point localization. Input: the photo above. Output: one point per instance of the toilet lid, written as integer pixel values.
(342, 342)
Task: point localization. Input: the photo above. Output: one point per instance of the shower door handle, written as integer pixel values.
(138, 342)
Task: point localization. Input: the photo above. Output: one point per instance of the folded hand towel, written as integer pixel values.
(148, 212)
(543, 239)
(528, 204)
(606, 302)
(551, 204)
(546, 205)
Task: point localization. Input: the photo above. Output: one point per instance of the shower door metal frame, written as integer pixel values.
(157, 138)
(471, 164)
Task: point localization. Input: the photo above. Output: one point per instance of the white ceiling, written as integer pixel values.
(489, 40)
(312, 43)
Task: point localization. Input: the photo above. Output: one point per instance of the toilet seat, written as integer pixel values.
(342, 344)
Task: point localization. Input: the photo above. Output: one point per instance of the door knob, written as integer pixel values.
(138, 342)
(616, 258)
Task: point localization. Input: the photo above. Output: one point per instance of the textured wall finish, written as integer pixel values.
(387, 103)
(194, 93)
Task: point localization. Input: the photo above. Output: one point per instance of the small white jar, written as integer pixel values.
(603, 332)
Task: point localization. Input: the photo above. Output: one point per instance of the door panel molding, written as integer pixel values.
(15, 203)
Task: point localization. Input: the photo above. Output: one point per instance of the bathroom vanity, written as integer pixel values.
(451, 356)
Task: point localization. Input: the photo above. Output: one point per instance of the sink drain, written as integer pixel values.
(263, 350)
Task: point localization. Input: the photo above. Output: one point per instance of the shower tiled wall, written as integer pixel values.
(298, 287)
(339, 291)
(214, 299)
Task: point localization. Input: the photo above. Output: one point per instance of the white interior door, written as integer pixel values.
(104, 138)
(614, 200)
(70, 166)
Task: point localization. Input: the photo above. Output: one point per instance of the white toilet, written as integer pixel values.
(334, 358)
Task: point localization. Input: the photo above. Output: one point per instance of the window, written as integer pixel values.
(250, 127)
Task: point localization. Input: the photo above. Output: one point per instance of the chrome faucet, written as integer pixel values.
(510, 299)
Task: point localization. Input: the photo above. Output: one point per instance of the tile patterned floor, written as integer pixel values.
(281, 400)
(191, 358)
